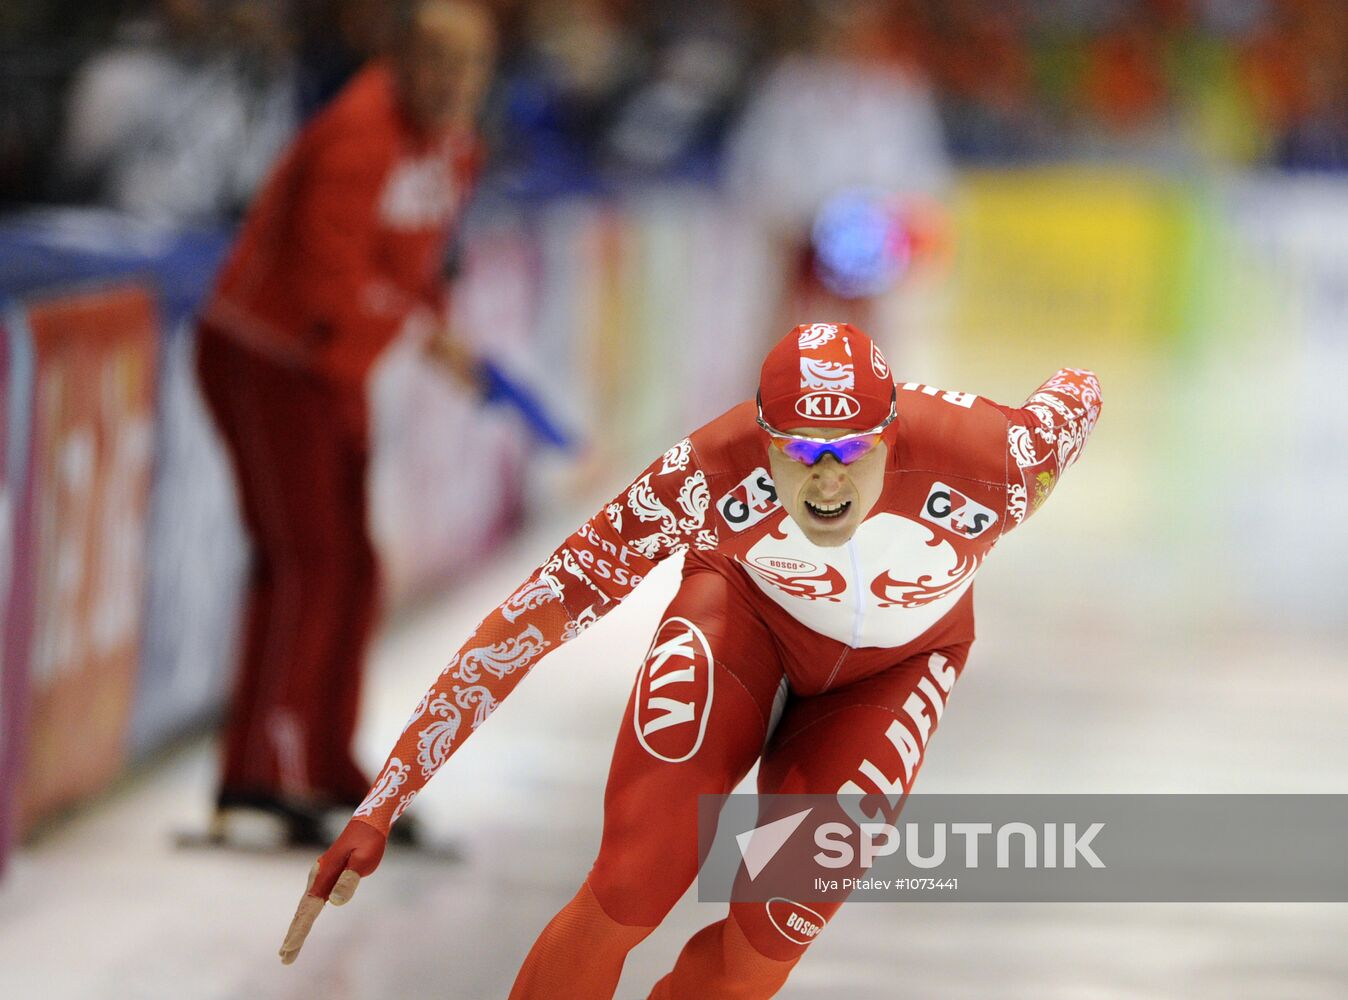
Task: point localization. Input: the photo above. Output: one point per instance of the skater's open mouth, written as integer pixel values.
(829, 511)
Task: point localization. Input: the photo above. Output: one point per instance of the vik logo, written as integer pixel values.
(952, 510)
(674, 689)
(749, 502)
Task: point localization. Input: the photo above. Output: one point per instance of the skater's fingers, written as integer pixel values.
(358, 849)
(345, 888)
(305, 915)
(327, 870)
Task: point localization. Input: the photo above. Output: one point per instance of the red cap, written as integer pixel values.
(825, 375)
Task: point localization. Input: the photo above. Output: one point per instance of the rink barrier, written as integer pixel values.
(189, 615)
(80, 538)
(104, 675)
(15, 599)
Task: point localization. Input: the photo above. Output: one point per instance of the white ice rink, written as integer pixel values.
(1052, 701)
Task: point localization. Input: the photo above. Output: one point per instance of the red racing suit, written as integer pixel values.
(831, 667)
(962, 472)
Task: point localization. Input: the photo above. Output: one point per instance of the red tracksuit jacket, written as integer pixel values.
(347, 236)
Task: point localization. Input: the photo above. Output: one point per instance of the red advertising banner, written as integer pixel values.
(93, 413)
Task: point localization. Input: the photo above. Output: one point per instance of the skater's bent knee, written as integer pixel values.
(638, 895)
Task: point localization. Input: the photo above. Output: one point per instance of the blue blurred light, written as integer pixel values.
(861, 246)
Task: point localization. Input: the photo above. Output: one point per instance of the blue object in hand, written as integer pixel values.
(500, 389)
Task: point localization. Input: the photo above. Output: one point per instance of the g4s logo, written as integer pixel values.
(952, 510)
(748, 503)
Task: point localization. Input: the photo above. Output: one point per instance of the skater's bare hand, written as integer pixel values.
(334, 877)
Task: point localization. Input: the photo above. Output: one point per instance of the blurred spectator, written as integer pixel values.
(177, 115)
(1126, 106)
(701, 52)
(1125, 88)
(337, 37)
(41, 44)
(574, 63)
(339, 255)
(181, 117)
(849, 112)
(845, 112)
(1296, 66)
(983, 66)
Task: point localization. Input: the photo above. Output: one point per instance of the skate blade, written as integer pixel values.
(248, 831)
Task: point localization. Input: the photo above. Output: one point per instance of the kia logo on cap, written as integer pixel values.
(827, 405)
(878, 364)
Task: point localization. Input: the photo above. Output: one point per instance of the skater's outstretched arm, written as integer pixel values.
(1045, 436)
(663, 511)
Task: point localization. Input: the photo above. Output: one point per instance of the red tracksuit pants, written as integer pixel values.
(300, 456)
(827, 736)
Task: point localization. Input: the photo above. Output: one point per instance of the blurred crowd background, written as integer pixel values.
(994, 188)
(174, 108)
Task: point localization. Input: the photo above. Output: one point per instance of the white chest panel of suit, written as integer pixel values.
(893, 580)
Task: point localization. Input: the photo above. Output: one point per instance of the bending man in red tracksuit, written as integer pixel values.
(832, 532)
(343, 245)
